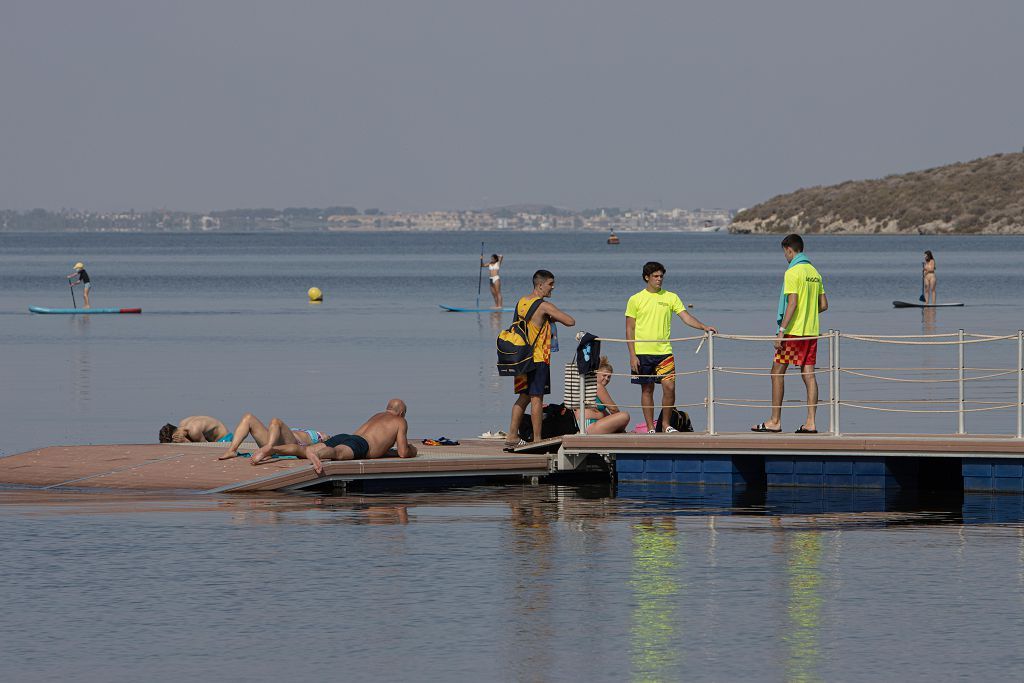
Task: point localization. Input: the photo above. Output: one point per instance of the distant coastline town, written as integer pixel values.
(347, 218)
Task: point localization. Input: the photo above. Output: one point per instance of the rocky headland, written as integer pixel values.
(984, 196)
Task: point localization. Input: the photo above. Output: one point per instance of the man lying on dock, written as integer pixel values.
(195, 429)
(277, 433)
(383, 434)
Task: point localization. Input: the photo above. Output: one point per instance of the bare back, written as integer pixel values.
(203, 428)
(382, 431)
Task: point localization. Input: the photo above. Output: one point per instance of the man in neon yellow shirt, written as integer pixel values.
(802, 300)
(648, 328)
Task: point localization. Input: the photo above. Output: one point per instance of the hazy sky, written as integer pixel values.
(432, 104)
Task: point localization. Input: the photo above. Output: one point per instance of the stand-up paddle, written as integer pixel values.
(480, 275)
(72, 288)
(921, 298)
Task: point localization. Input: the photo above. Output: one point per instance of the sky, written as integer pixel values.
(415, 105)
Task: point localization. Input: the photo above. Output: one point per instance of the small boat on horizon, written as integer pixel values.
(613, 238)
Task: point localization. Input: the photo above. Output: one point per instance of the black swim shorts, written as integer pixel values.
(357, 443)
(536, 382)
(654, 368)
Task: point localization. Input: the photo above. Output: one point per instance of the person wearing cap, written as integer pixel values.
(81, 278)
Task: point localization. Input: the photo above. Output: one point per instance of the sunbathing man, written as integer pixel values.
(278, 433)
(383, 434)
(195, 428)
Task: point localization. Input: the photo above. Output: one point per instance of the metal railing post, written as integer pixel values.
(1020, 384)
(831, 383)
(583, 401)
(711, 383)
(838, 371)
(960, 384)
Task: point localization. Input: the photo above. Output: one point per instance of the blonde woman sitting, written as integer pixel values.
(604, 417)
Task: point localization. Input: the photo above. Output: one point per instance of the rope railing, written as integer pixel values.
(904, 342)
(835, 371)
(928, 381)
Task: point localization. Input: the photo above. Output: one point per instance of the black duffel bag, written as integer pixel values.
(558, 420)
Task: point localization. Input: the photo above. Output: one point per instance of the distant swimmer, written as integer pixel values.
(80, 277)
(277, 433)
(494, 273)
(196, 429)
(928, 274)
(383, 434)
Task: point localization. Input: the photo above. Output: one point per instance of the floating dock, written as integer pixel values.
(195, 467)
(859, 461)
(873, 461)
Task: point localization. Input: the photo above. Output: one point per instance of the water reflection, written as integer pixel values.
(532, 627)
(656, 583)
(803, 568)
(81, 370)
(927, 321)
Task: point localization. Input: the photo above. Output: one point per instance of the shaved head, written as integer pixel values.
(397, 406)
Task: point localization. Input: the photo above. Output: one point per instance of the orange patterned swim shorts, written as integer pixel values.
(798, 351)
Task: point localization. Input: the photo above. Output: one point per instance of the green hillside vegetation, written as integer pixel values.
(981, 196)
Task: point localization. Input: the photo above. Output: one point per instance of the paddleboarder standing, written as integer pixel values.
(494, 273)
(80, 277)
(928, 275)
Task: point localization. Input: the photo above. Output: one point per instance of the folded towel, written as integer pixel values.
(273, 457)
(783, 300)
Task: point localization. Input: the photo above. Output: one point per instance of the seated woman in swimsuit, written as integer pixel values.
(494, 271)
(276, 434)
(605, 417)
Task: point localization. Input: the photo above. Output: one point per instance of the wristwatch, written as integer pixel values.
(781, 328)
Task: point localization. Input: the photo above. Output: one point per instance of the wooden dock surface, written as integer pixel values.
(195, 467)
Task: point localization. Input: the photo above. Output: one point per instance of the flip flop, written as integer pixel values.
(762, 428)
(802, 430)
(511, 446)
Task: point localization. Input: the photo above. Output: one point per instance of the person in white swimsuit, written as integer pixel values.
(493, 270)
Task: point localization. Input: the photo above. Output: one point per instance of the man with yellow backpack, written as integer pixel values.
(533, 317)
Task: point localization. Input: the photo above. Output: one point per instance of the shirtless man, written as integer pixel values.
(277, 433)
(383, 434)
(196, 429)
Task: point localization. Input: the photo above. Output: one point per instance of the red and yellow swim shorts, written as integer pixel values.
(798, 351)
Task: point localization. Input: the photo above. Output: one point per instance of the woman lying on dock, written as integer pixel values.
(277, 434)
(605, 417)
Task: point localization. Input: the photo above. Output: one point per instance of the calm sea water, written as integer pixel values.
(227, 328)
(533, 583)
(513, 583)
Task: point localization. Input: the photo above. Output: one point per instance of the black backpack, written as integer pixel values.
(558, 420)
(515, 350)
(679, 420)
